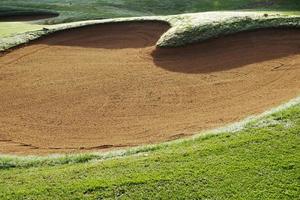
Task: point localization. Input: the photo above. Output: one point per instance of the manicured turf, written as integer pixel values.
(260, 162)
(10, 28)
(71, 10)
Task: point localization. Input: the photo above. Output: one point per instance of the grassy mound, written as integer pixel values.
(192, 28)
(186, 28)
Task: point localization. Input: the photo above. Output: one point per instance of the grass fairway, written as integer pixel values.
(10, 28)
(259, 162)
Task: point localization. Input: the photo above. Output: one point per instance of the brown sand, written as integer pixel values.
(21, 18)
(105, 86)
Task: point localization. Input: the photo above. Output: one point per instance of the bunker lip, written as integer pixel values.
(27, 17)
(106, 86)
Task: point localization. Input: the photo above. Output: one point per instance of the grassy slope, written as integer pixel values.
(202, 26)
(186, 28)
(259, 162)
(90, 9)
(73, 10)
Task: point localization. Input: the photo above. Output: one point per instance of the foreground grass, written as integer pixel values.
(258, 162)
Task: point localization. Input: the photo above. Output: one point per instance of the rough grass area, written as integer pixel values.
(260, 161)
(74, 10)
(186, 28)
(192, 28)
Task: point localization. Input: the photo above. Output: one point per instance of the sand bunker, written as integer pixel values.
(20, 18)
(106, 86)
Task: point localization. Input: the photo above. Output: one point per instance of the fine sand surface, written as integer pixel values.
(20, 18)
(106, 86)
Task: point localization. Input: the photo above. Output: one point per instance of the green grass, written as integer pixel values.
(202, 26)
(186, 28)
(10, 28)
(72, 10)
(258, 162)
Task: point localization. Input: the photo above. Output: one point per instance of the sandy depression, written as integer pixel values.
(107, 86)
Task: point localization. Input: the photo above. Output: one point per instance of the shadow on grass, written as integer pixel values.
(27, 17)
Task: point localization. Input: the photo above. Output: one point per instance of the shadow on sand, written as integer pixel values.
(230, 51)
(109, 36)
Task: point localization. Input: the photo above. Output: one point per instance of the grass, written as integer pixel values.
(11, 28)
(193, 28)
(73, 10)
(186, 28)
(259, 162)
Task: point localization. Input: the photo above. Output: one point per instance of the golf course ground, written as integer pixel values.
(149, 99)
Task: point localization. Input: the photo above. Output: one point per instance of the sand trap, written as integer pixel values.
(105, 86)
(21, 18)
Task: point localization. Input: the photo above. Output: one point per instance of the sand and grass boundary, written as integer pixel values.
(12, 161)
(185, 29)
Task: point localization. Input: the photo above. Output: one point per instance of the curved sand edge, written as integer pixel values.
(173, 65)
(185, 28)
